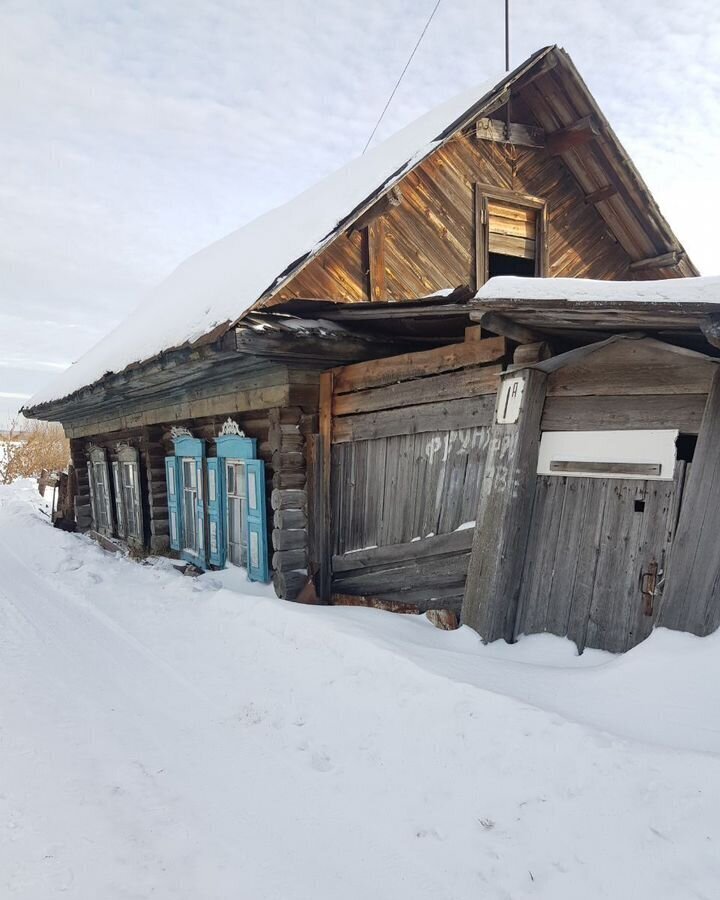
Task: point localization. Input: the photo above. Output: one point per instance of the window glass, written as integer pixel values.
(252, 491)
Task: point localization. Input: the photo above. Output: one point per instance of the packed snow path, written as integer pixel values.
(167, 737)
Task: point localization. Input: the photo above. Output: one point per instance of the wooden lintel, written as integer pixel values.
(522, 135)
(387, 202)
(581, 132)
(602, 193)
(501, 325)
(663, 261)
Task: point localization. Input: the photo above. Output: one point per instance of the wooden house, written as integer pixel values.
(314, 398)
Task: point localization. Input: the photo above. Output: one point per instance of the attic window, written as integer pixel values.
(510, 234)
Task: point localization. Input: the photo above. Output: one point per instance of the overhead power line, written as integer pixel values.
(397, 85)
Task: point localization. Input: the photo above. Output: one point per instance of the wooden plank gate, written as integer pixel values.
(597, 556)
(400, 459)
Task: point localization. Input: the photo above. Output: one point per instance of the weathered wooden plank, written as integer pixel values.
(430, 577)
(502, 325)
(520, 135)
(454, 414)
(327, 386)
(504, 509)
(373, 557)
(621, 412)
(376, 259)
(633, 367)
(691, 601)
(455, 385)
(379, 372)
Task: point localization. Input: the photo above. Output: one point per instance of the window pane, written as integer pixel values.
(230, 478)
(242, 487)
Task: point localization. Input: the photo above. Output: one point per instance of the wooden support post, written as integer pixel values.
(376, 260)
(691, 599)
(505, 504)
(324, 524)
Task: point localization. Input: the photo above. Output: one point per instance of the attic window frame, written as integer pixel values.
(484, 194)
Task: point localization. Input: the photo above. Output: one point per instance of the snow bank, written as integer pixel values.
(586, 290)
(178, 738)
(219, 283)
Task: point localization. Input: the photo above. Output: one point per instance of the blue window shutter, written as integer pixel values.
(216, 536)
(258, 564)
(200, 512)
(173, 504)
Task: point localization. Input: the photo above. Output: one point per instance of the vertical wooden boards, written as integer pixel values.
(691, 601)
(591, 539)
(405, 487)
(503, 518)
(430, 237)
(325, 452)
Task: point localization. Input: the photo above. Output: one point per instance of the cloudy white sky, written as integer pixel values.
(133, 133)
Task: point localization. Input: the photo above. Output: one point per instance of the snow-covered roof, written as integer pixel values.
(585, 290)
(221, 282)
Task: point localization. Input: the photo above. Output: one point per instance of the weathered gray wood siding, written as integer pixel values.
(591, 540)
(409, 438)
(692, 599)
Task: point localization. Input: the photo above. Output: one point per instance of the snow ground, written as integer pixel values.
(170, 737)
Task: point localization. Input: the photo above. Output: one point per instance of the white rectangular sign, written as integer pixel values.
(510, 400)
(609, 454)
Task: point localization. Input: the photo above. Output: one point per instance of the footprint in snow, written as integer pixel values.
(321, 762)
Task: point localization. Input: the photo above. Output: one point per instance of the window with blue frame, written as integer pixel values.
(229, 506)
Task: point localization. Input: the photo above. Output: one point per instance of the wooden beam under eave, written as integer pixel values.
(602, 193)
(501, 325)
(521, 135)
(663, 261)
(576, 135)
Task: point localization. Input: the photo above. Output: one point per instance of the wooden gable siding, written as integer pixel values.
(429, 236)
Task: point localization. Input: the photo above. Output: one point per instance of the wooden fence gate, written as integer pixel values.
(401, 452)
(597, 556)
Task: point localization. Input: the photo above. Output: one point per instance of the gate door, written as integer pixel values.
(403, 444)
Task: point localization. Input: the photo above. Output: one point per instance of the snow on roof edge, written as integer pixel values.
(699, 289)
(174, 314)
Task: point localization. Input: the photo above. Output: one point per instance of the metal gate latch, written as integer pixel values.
(648, 587)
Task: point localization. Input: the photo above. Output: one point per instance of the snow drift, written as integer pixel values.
(182, 738)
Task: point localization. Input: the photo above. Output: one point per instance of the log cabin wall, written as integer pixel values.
(280, 434)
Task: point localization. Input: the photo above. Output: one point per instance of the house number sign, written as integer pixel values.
(510, 400)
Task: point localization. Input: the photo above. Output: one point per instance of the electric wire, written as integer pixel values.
(397, 84)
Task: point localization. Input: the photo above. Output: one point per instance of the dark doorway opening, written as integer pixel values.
(500, 264)
(685, 446)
